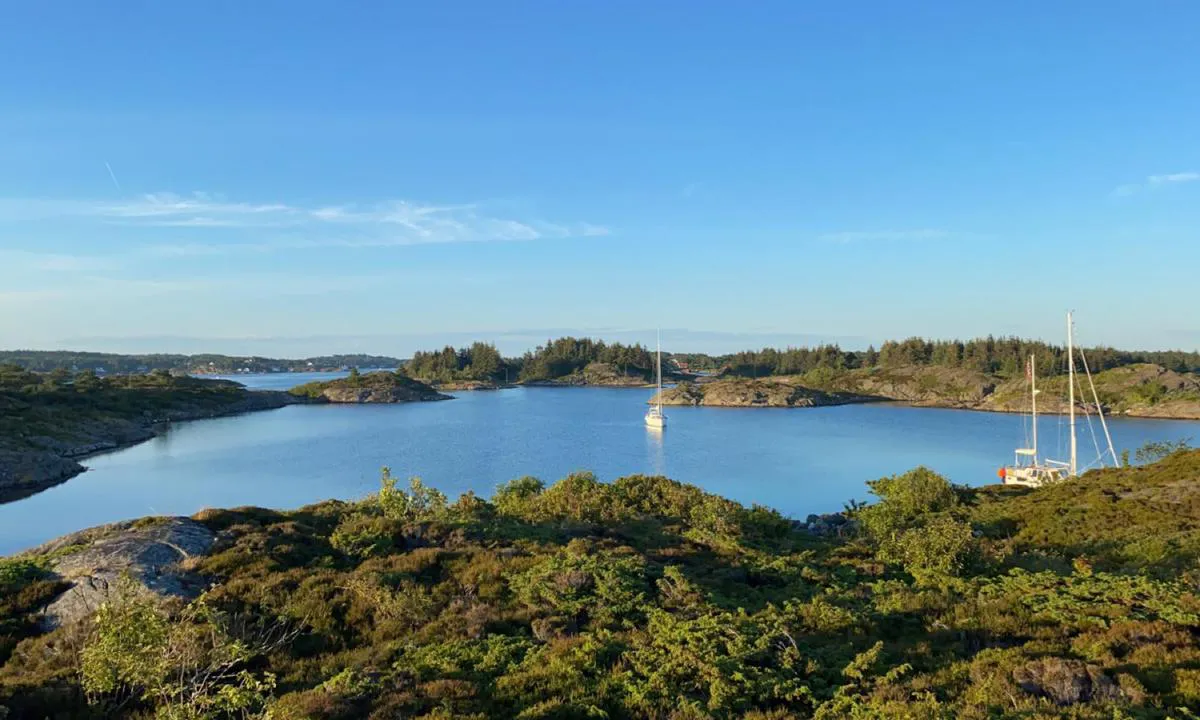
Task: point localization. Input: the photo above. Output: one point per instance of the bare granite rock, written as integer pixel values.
(380, 395)
(1065, 682)
(744, 392)
(148, 552)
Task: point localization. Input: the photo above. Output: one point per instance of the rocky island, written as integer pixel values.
(639, 598)
(597, 374)
(375, 387)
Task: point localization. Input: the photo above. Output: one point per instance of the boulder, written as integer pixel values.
(1065, 682)
(148, 553)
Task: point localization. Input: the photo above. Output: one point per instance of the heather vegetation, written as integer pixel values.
(647, 598)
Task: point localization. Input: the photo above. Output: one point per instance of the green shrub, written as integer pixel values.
(514, 497)
(17, 573)
(1154, 451)
(192, 667)
(365, 535)
(933, 551)
(585, 585)
(420, 504)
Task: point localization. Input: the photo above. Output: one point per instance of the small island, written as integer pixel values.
(565, 362)
(375, 387)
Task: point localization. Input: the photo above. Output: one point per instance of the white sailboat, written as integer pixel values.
(654, 416)
(1028, 469)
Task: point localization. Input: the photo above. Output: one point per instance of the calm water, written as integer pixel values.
(798, 461)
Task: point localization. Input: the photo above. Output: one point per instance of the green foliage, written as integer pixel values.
(190, 667)
(17, 573)
(365, 535)
(585, 587)
(911, 525)
(480, 362)
(566, 356)
(125, 654)
(514, 497)
(1154, 451)
(991, 355)
(419, 504)
(904, 500)
(716, 664)
(933, 551)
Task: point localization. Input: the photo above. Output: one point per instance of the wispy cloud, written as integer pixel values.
(885, 236)
(689, 189)
(381, 224)
(1156, 181)
(28, 261)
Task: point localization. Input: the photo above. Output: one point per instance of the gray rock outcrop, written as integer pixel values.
(1065, 682)
(147, 552)
(743, 392)
(381, 395)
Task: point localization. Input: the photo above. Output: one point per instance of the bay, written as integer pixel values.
(798, 461)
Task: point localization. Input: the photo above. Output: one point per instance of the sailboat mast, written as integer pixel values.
(658, 367)
(1033, 397)
(1071, 383)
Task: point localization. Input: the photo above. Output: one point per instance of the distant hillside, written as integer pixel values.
(47, 360)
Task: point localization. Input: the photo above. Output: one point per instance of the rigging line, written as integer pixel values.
(1100, 411)
(1091, 428)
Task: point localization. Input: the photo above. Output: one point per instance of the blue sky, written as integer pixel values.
(300, 177)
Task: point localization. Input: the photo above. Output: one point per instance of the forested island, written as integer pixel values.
(640, 598)
(566, 361)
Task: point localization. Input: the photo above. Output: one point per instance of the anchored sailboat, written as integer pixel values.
(654, 416)
(1028, 469)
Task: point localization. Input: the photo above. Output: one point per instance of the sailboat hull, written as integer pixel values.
(656, 421)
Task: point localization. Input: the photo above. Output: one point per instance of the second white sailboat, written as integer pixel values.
(654, 416)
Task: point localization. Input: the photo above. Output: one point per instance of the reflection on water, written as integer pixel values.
(798, 461)
(656, 459)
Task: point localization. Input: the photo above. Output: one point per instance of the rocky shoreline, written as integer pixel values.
(1143, 391)
(43, 462)
(471, 385)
